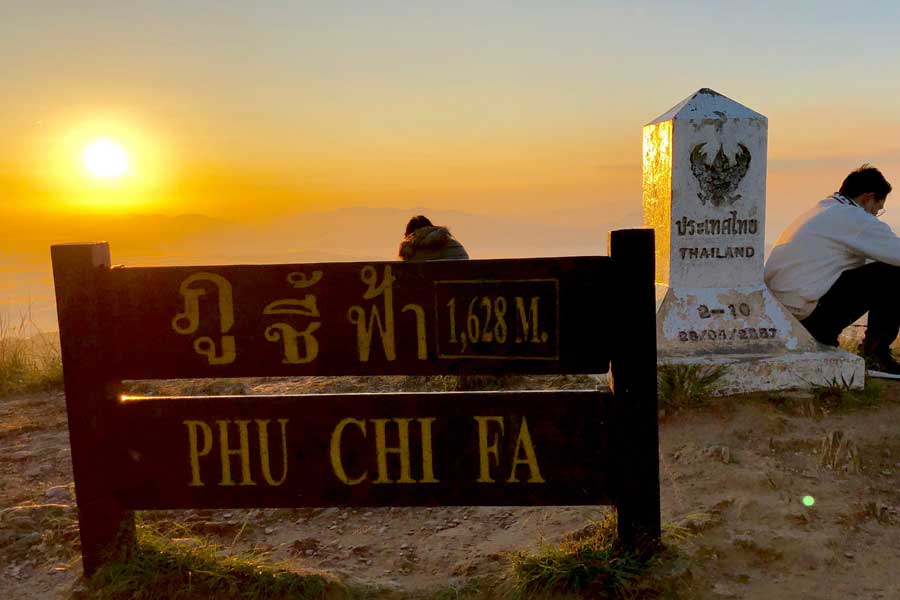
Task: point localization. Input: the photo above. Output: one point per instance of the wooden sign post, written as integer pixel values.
(549, 315)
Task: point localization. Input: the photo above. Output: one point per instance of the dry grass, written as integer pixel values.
(687, 386)
(29, 359)
(591, 564)
(193, 567)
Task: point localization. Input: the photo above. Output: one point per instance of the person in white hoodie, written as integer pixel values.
(838, 261)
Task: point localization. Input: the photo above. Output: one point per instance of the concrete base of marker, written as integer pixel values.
(766, 373)
(709, 322)
(745, 373)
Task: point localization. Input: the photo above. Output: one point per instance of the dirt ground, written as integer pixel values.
(733, 479)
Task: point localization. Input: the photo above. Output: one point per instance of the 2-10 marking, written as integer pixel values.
(742, 309)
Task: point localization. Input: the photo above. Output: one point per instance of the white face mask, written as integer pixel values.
(872, 206)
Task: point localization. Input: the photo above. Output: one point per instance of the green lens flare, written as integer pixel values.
(808, 500)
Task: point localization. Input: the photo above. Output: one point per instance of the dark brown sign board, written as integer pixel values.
(526, 316)
(412, 449)
(547, 315)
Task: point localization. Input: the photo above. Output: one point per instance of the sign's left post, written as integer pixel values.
(106, 527)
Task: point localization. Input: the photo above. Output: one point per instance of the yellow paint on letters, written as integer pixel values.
(485, 449)
(524, 444)
(307, 307)
(523, 320)
(291, 338)
(357, 315)
(336, 464)
(427, 452)
(300, 280)
(382, 450)
(490, 448)
(420, 329)
(263, 426)
(188, 321)
(205, 346)
(195, 453)
(243, 451)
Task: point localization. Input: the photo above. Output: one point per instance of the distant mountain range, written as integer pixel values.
(375, 233)
(345, 234)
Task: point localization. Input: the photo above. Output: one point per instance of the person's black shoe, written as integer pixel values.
(883, 362)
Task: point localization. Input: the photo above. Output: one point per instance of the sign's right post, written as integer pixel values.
(704, 194)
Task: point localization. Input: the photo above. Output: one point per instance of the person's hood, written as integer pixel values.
(425, 238)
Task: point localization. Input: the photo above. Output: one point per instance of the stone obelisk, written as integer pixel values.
(704, 193)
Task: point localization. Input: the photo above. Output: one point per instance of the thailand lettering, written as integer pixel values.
(729, 226)
(693, 253)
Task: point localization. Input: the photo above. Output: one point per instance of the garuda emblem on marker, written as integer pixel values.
(719, 180)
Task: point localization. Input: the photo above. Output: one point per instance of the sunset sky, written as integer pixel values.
(253, 110)
(300, 121)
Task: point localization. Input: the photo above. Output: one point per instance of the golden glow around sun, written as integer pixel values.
(106, 164)
(105, 158)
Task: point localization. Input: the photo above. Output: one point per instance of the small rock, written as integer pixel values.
(269, 530)
(721, 453)
(886, 473)
(382, 529)
(226, 516)
(848, 554)
(725, 454)
(724, 591)
(59, 493)
(30, 538)
(35, 471)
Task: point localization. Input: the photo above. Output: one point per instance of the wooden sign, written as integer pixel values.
(410, 449)
(548, 315)
(532, 315)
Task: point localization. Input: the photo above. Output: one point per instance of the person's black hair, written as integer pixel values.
(417, 222)
(864, 180)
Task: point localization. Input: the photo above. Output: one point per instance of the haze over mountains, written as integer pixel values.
(347, 234)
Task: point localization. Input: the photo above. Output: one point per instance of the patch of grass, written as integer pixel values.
(196, 568)
(685, 386)
(592, 564)
(29, 360)
(469, 589)
(838, 395)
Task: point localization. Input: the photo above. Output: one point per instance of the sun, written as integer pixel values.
(105, 158)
